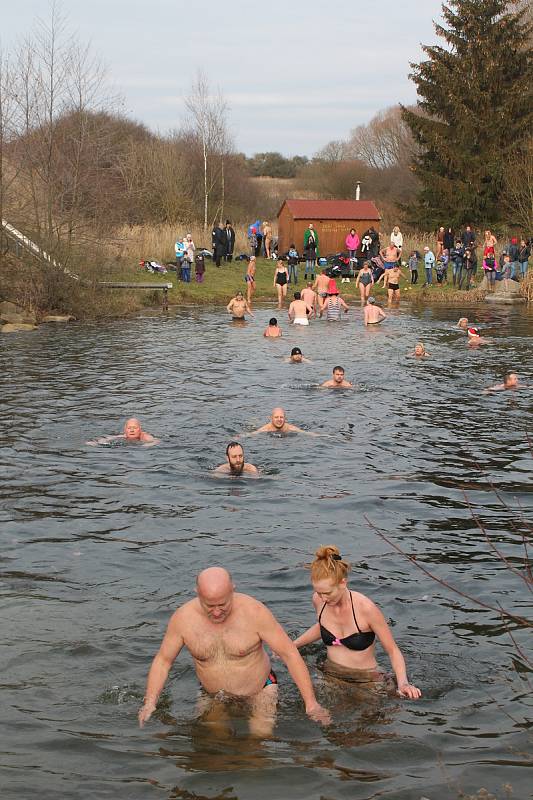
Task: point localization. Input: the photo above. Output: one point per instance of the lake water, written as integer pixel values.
(99, 545)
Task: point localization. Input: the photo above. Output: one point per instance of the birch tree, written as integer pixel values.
(208, 122)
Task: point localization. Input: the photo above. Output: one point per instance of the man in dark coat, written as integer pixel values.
(468, 237)
(374, 247)
(230, 241)
(218, 241)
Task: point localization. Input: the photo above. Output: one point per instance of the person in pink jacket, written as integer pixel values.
(352, 243)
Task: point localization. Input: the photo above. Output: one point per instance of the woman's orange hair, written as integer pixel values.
(329, 564)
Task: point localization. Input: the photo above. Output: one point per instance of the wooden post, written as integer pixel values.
(165, 299)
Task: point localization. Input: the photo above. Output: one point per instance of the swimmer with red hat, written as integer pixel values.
(474, 337)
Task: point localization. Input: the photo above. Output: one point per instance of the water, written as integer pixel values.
(99, 545)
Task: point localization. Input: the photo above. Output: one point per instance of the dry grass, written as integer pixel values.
(156, 242)
(526, 287)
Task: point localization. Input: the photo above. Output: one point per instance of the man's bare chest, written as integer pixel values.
(231, 644)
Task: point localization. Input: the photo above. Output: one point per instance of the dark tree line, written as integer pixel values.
(473, 129)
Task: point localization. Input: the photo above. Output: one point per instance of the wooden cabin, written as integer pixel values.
(332, 220)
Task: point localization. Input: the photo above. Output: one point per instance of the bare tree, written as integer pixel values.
(333, 151)
(208, 122)
(6, 126)
(385, 141)
(518, 189)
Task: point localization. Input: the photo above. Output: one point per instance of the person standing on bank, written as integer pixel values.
(523, 257)
(218, 242)
(267, 237)
(230, 242)
(281, 280)
(250, 280)
(188, 258)
(352, 242)
(396, 238)
(348, 624)
(311, 251)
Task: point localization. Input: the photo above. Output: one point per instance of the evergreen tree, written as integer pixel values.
(474, 112)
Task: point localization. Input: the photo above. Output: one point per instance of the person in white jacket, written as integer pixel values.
(396, 238)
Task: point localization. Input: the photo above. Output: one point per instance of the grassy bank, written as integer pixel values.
(221, 283)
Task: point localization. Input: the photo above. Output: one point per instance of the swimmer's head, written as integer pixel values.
(338, 374)
(252, 258)
(215, 588)
(329, 574)
(297, 295)
(510, 380)
(278, 418)
(371, 300)
(420, 350)
(132, 429)
(296, 355)
(272, 321)
(473, 331)
(239, 294)
(463, 322)
(235, 456)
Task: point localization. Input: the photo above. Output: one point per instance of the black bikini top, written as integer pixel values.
(356, 641)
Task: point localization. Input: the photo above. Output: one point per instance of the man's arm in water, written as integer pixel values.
(167, 654)
(271, 632)
(229, 307)
(148, 440)
(105, 439)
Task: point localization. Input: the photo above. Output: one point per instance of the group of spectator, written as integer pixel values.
(454, 257)
(260, 239)
(223, 243)
(459, 253)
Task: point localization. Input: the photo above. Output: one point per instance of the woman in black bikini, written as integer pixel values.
(281, 280)
(348, 623)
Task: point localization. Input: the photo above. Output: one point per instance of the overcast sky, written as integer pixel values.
(295, 74)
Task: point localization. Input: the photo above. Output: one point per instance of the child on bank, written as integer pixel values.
(292, 259)
(413, 262)
(441, 267)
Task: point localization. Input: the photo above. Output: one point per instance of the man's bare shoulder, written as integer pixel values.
(223, 469)
(183, 614)
(268, 428)
(250, 469)
(250, 605)
(288, 428)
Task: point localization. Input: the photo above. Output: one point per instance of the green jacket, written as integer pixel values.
(307, 234)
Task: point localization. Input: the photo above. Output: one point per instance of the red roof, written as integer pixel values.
(332, 209)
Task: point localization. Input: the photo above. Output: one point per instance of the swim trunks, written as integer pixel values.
(394, 286)
(271, 680)
(389, 264)
(301, 321)
(249, 278)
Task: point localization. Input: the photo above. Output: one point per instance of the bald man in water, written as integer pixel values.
(225, 632)
(278, 424)
(133, 432)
